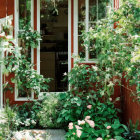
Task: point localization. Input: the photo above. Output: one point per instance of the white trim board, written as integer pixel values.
(69, 35)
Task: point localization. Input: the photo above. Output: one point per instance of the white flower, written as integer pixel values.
(5, 43)
(65, 74)
(81, 122)
(111, 84)
(33, 122)
(95, 68)
(9, 37)
(2, 34)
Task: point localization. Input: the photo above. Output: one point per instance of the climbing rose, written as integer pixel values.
(81, 122)
(77, 127)
(108, 127)
(70, 126)
(87, 117)
(91, 123)
(99, 138)
(79, 133)
(89, 106)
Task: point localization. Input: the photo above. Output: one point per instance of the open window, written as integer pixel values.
(54, 44)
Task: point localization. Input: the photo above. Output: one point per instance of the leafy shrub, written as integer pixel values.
(49, 112)
(8, 122)
(27, 115)
(91, 130)
(132, 132)
(75, 108)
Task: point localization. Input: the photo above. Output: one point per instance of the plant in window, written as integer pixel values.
(18, 62)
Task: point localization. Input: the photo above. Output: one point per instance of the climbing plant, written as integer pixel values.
(18, 61)
(117, 42)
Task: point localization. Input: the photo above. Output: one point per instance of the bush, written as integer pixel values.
(27, 115)
(88, 129)
(8, 122)
(49, 112)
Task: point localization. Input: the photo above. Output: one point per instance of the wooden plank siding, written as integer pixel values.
(130, 107)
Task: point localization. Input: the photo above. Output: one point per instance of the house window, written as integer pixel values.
(23, 16)
(89, 12)
(24, 13)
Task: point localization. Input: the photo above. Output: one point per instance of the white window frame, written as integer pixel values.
(16, 4)
(1, 78)
(76, 21)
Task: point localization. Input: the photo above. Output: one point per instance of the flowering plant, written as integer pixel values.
(91, 130)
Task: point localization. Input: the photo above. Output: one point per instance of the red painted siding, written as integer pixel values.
(130, 107)
(2, 8)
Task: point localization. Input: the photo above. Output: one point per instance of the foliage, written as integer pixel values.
(117, 47)
(75, 108)
(18, 61)
(29, 37)
(8, 122)
(132, 132)
(91, 130)
(27, 115)
(83, 79)
(49, 112)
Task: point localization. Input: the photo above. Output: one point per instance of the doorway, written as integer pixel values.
(54, 44)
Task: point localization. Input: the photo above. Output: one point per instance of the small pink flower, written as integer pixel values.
(81, 122)
(77, 127)
(89, 106)
(108, 127)
(91, 123)
(73, 133)
(79, 133)
(87, 117)
(70, 126)
(99, 138)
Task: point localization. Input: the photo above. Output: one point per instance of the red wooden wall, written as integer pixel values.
(7, 8)
(130, 107)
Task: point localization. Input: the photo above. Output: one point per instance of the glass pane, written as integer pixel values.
(97, 10)
(81, 10)
(81, 28)
(92, 51)
(24, 12)
(54, 44)
(92, 10)
(81, 48)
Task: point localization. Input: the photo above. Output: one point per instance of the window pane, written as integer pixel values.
(92, 10)
(97, 11)
(81, 48)
(24, 19)
(81, 28)
(24, 12)
(54, 44)
(81, 10)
